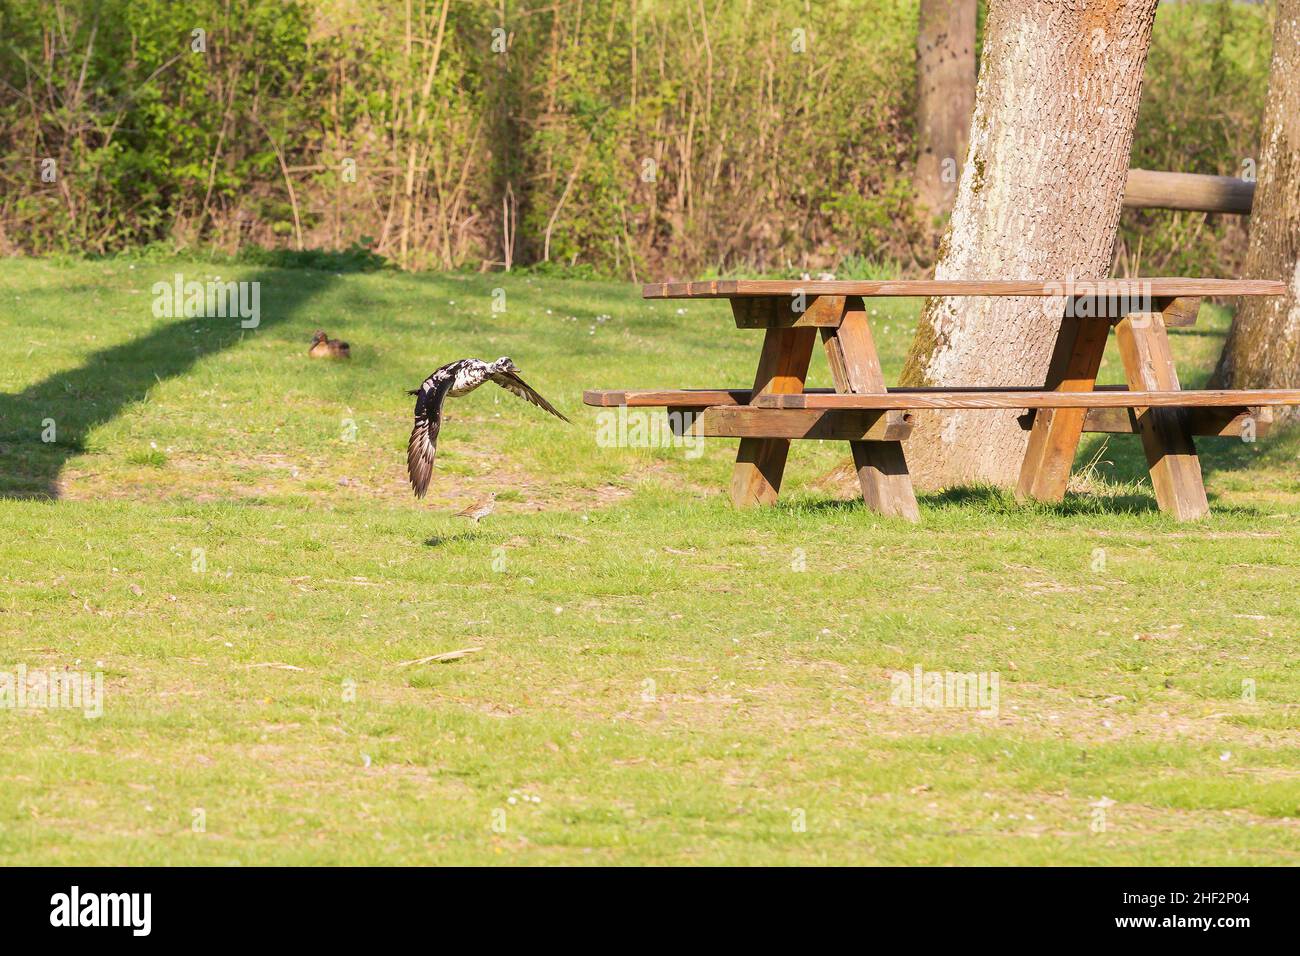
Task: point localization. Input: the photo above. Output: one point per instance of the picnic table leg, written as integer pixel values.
(760, 462)
(1166, 432)
(1054, 438)
(855, 368)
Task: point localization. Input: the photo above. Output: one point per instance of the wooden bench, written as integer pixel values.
(875, 419)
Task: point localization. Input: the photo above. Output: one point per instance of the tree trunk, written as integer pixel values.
(1039, 198)
(1263, 347)
(945, 80)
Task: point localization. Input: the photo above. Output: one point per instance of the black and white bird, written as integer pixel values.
(456, 379)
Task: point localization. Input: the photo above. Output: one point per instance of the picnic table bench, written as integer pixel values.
(875, 418)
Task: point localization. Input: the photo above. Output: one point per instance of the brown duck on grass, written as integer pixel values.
(322, 346)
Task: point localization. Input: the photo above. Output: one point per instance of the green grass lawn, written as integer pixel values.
(222, 527)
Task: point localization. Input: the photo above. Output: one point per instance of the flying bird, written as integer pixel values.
(322, 346)
(456, 379)
(479, 509)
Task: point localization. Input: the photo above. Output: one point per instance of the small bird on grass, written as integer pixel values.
(456, 379)
(322, 346)
(479, 509)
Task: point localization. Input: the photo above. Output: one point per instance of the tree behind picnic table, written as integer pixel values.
(1263, 347)
(1039, 197)
(945, 98)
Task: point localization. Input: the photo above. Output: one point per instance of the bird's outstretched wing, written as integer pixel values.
(512, 383)
(423, 444)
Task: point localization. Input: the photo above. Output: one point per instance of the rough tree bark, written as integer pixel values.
(1263, 346)
(1039, 198)
(945, 80)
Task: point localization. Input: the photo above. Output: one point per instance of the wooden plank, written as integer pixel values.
(1155, 287)
(1016, 397)
(707, 397)
(650, 397)
(1166, 433)
(1153, 189)
(760, 462)
(1180, 311)
(855, 368)
(851, 354)
(1224, 422)
(1011, 398)
(739, 422)
(788, 312)
(1054, 439)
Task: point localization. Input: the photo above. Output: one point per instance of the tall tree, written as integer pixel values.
(1039, 198)
(945, 80)
(1263, 347)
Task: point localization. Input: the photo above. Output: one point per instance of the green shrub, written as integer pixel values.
(1202, 105)
(770, 137)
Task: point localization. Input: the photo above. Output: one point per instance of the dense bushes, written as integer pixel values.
(116, 133)
(626, 137)
(1202, 104)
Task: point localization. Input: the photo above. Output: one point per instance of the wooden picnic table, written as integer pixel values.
(875, 419)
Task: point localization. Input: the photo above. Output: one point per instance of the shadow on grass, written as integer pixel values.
(997, 501)
(1122, 459)
(78, 400)
(989, 500)
(438, 540)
